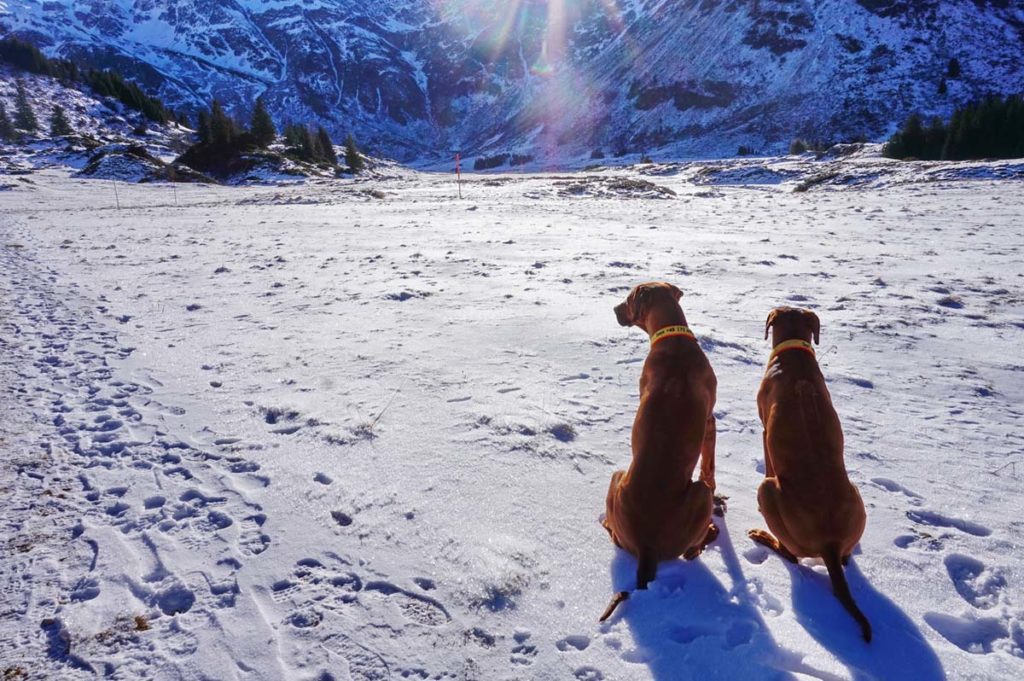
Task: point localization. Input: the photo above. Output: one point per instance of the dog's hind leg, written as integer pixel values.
(707, 453)
(610, 505)
(710, 536)
(772, 503)
(707, 463)
(696, 530)
(766, 539)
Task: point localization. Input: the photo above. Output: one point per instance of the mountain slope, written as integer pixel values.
(556, 78)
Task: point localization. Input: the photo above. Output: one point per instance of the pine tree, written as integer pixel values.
(24, 117)
(943, 88)
(990, 128)
(953, 70)
(7, 131)
(203, 127)
(913, 137)
(308, 147)
(352, 156)
(293, 135)
(222, 128)
(327, 153)
(934, 139)
(59, 123)
(262, 125)
(954, 135)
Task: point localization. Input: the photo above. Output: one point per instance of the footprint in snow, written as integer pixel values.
(363, 663)
(252, 541)
(313, 582)
(574, 642)
(936, 519)
(413, 606)
(976, 635)
(523, 652)
(976, 583)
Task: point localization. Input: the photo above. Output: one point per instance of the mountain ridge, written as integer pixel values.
(553, 79)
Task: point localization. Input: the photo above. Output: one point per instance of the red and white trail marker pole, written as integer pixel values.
(458, 171)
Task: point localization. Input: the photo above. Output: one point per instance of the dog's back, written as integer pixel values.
(807, 498)
(655, 510)
(804, 438)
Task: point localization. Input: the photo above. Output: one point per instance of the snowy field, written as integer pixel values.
(364, 430)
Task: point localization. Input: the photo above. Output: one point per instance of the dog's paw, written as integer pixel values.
(720, 506)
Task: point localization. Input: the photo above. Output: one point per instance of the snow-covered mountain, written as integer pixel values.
(552, 78)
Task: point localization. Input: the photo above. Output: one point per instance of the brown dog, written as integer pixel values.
(806, 497)
(655, 510)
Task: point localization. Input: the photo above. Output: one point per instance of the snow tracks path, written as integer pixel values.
(125, 543)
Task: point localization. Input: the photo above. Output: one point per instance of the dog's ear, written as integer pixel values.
(675, 292)
(639, 300)
(768, 322)
(815, 324)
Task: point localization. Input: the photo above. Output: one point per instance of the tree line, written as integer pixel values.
(215, 129)
(27, 57)
(990, 128)
(25, 120)
(218, 134)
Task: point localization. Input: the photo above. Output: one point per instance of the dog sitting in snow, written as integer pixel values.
(806, 497)
(655, 510)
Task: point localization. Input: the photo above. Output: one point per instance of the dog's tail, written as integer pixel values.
(646, 571)
(842, 590)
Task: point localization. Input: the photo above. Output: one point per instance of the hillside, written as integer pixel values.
(554, 79)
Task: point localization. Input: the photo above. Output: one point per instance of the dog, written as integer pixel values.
(806, 498)
(655, 510)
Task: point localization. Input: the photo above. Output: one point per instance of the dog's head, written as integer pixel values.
(788, 323)
(642, 299)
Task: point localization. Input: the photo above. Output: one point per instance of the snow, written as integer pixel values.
(362, 429)
(459, 72)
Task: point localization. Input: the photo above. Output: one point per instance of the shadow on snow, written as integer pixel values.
(689, 625)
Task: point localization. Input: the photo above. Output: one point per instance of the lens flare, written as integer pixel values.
(530, 39)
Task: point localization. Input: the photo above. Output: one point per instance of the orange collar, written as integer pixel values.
(670, 331)
(795, 344)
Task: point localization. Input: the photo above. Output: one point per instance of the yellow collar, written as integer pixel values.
(795, 344)
(671, 331)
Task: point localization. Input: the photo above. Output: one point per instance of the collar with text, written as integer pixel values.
(670, 331)
(795, 344)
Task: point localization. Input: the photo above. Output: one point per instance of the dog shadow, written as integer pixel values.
(688, 625)
(897, 649)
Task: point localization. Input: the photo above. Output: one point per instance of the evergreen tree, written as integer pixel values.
(293, 135)
(25, 56)
(110, 84)
(71, 73)
(352, 156)
(327, 153)
(262, 125)
(7, 131)
(934, 139)
(954, 134)
(24, 117)
(953, 70)
(308, 147)
(203, 127)
(59, 123)
(913, 137)
(222, 128)
(943, 88)
(991, 128)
